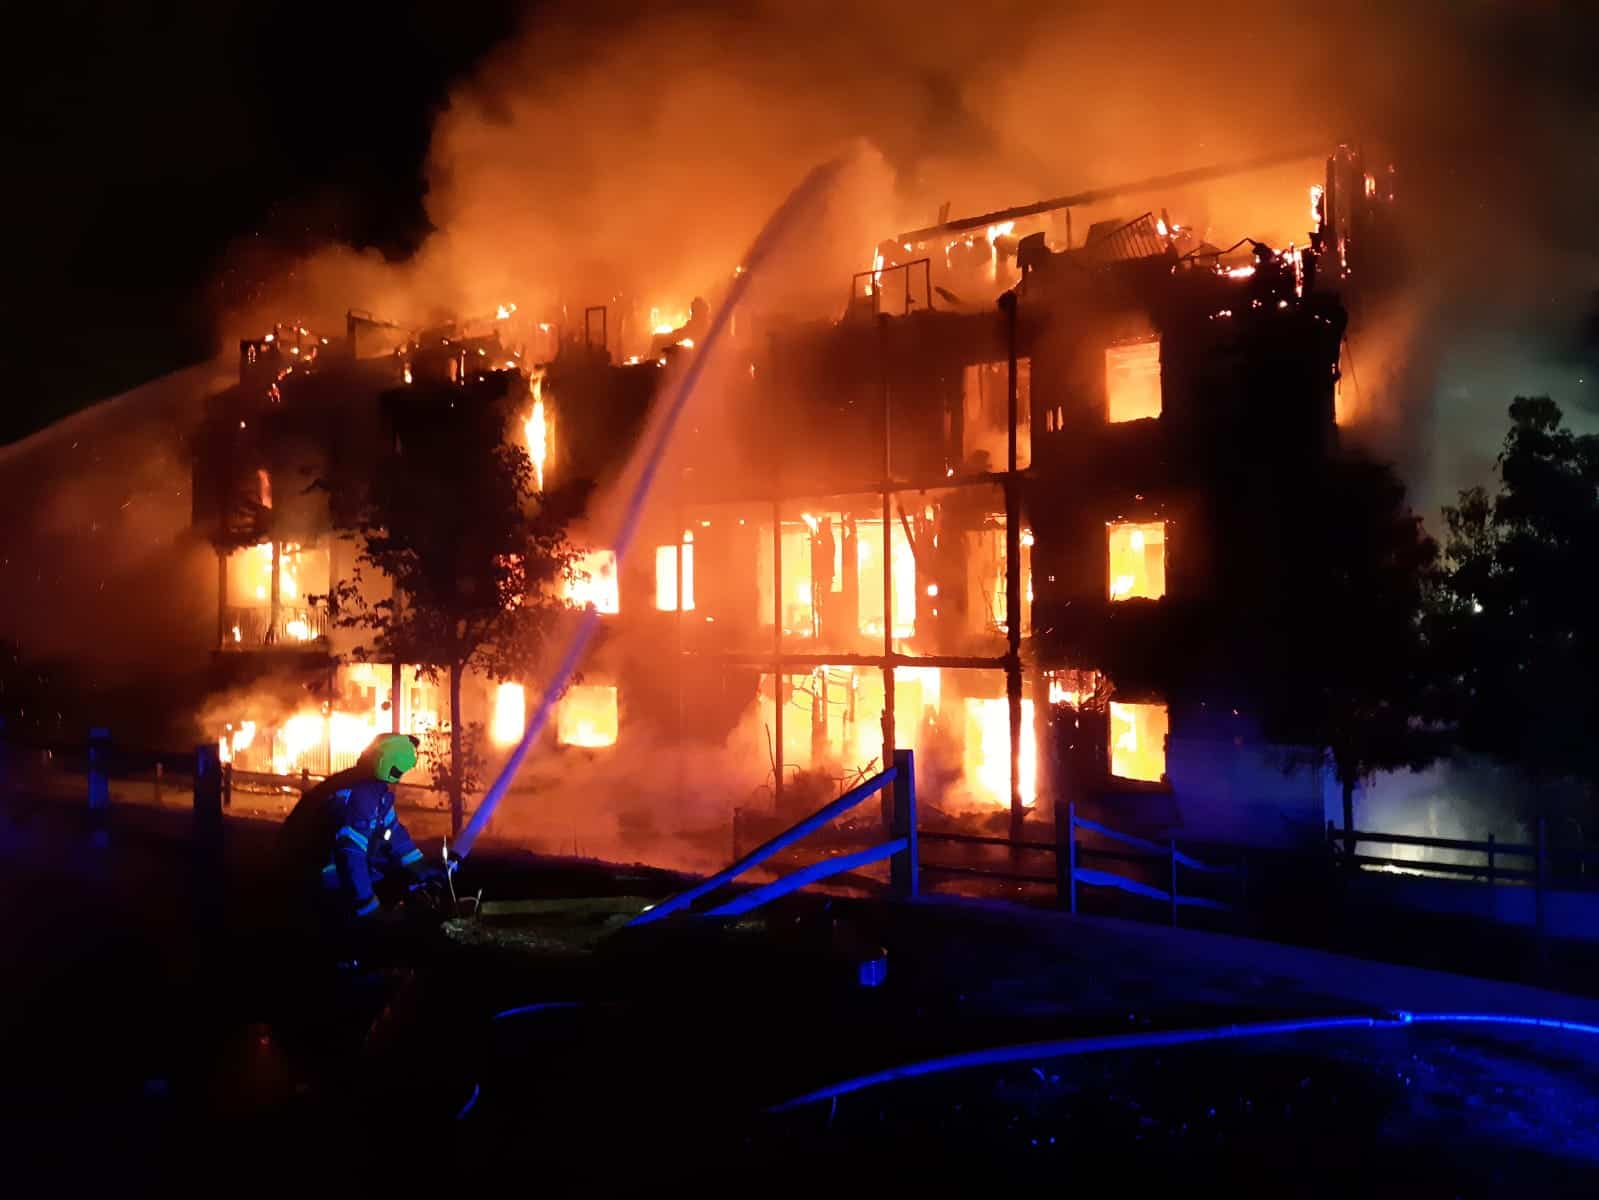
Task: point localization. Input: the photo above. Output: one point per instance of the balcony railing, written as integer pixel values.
(250, 627)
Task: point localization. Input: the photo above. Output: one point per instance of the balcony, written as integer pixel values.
(250, 627)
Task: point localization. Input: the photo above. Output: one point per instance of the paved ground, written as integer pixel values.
(676, 1043)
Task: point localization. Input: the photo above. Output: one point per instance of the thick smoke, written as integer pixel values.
(617, 156)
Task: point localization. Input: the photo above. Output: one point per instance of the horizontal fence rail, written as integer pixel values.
(901, 848)
(1069, 875)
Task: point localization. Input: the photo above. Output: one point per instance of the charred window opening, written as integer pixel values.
(985, 404)
(1132, 381)
(1138, 741)
(1137, 554)
(587, 716)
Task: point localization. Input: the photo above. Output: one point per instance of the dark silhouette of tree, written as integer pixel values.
(1343, 668)
(471, 553)
(1517, 613)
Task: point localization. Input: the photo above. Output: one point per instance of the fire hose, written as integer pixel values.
(993, 1056)
(1071, 1047)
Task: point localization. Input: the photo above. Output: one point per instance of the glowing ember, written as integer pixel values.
(503, 313)
(587, 716)
(510, 714)
(1137, 560)
(1138, 741)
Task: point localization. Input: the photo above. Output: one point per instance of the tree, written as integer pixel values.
(1517, 611)
(1343, 667)
(472, 553)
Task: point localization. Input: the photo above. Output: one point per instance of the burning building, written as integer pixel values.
(1003, 511)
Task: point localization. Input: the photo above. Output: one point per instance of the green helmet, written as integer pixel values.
(392, 755)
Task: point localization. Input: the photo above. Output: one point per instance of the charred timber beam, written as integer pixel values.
(1013, 575)
(1094, 195)
(925, 483)
(808, 661)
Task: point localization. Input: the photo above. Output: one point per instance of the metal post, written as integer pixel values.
(208, 872)
(777, 654)
(1063, 869)
(1490, 858)
(1172, 856)
(227, 785)
(1013, 575)
(99, 784)
(276, 612)
(222, 600)
(889, 741)
(395, 684)
(1539, 883)
(1071, 855)
(905, 866)
(159, 770)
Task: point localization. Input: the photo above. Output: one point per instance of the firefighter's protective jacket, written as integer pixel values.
(348, 826)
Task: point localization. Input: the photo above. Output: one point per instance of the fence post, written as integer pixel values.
(1490, 858)
(99, 784)
(1063, 883)
(207, 836)
(904, 867)
(1172, 856)
(1539, 883)
(1071, 855)
(227, 785)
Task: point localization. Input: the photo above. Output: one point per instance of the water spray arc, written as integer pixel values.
(811, 189)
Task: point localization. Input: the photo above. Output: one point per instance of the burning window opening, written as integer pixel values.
(594, 581)
(902, 572)
(509, 720)
(1132, 381)
(1137, 553)
(587, 716)
(832, 716)
(323, 738)
(1138, 741)
(987, 578)
(985, 406)
(537, 429)
(987, 754)
(666, 559)
(256, 614)
(1077, 688)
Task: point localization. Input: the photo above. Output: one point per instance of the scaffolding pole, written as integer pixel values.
(889, 743)
(1013, 577)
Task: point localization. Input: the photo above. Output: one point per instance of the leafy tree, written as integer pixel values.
(1343, 667)
(1517, 612)
(471, 552)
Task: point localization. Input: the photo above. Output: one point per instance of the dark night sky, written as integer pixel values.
(148, 139)
(150, 144)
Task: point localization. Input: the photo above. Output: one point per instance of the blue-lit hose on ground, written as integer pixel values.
(1001, 1055)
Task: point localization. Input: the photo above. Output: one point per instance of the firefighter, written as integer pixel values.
(346, 829)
